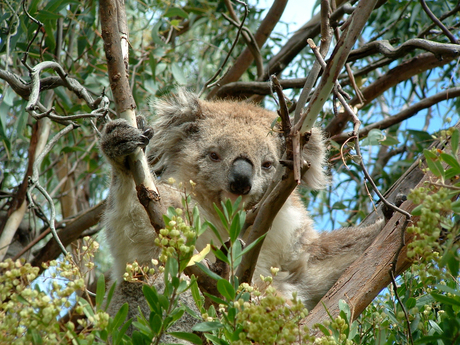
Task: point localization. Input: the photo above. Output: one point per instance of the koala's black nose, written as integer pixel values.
(240, 177)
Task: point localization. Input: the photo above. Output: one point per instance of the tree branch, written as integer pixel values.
(125, 105)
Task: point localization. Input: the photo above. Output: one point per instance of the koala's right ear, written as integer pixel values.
(177, 109)
(176, 120)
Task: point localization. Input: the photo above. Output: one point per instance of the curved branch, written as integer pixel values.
(384, 47)
(405, 114)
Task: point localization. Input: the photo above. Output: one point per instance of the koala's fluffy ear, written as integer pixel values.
(176, 119)
(314, 152)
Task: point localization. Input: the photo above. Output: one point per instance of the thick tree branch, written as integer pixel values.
(125, 105)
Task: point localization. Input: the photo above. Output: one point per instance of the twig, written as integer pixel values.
(35, 183)
(208, 84)
(444, 16)
(388, 28)
(446, 31)
(40, 25)
(395, 288)
(247, 36)
(351, 77)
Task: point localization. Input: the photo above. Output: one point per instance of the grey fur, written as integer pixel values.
(201, 141)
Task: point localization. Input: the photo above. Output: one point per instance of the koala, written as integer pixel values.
(229, 150)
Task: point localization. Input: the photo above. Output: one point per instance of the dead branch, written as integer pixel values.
(208, 84)
(248, 38)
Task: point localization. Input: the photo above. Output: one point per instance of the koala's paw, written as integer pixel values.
(399, 199)
(119, 139)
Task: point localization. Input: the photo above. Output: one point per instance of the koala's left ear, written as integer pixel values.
(314, 152)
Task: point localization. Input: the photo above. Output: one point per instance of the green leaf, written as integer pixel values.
(214, 230)
(155, 322)
(215, 340)
(207, 326)
(193, 338)
(250, 246)
(373, 137)
(223, 219)
(208, 271)
(450, 159)
(411, 302)
(215, 299)
(178, 74)
(455, 206)
(428, 154)
(156, 35)
(221, 256)
(176, 12)
(100, 291)
(454, 141)
(226, 289)
(235, 228)
(120, 317)
(435, 167)
(171, 267)
(445, 299)
(151, 296)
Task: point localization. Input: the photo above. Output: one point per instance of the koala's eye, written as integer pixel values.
(214, 157)
(267, 165)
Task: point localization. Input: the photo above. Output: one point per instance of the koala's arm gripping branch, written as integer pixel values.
(113, 24)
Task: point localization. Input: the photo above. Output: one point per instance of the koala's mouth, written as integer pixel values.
(246, 200)
(224, 195)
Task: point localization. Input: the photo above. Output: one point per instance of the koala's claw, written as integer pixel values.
(119, 139)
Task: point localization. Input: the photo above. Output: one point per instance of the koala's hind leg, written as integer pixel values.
(328, 257)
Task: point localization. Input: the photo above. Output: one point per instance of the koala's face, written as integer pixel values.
(230, 152)
(228, 149)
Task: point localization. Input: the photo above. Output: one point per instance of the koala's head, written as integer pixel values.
(227, 148)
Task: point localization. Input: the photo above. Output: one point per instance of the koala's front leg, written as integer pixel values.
(119, 140)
